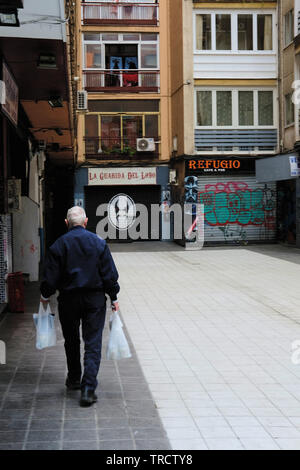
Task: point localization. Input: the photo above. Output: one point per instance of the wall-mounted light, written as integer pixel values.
(9, 17)
(56, 102)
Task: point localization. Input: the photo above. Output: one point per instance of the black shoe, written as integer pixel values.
(88, 397)
(73, 385)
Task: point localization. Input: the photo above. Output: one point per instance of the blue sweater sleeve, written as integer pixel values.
(52, 273)
(109, 273)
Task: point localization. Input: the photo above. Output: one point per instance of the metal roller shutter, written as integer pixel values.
(238, 209)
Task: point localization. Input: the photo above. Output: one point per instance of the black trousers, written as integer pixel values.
(89, 309)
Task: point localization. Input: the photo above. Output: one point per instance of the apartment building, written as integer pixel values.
(284, 168)
(225, 101)
(124, 142)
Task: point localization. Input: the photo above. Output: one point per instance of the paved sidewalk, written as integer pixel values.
(212, 334)
(213, 331)
(37, 412)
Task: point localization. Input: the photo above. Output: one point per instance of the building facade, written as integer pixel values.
(124, 132)
(225, 99)
(36, 126)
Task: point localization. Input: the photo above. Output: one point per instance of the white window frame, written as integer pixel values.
(235, 107)
(119, 41)
(234, 31)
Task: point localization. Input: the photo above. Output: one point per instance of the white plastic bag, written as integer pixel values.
(45, 327)
(117, 347)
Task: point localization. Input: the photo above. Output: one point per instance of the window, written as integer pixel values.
(204, 108)
(109, 51)
(246, 108)
(265, 108)
(203, 30)
(113, 133)
(245, 32)
(264, 32)
(223, 32)
(289, 110)
(237, 31)
(224, 108)
(289, 27)
(234, 108)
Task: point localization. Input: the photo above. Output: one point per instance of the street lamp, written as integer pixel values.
(9, 17)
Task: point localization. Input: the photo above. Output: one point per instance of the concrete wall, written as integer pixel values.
(26, 239)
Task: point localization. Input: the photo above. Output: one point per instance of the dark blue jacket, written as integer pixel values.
(80, 260)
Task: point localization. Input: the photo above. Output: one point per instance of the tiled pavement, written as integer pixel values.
(213, 333)
(36, 411)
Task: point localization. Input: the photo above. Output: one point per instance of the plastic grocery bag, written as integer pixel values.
(45, 327)
(117, 347)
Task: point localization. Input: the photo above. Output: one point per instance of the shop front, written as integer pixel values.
(285, 171)
(119, 202)
(237, 209)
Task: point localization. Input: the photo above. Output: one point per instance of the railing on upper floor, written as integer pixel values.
(125, 81)
(107, 13)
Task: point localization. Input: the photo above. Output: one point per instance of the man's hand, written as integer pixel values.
(115, 306)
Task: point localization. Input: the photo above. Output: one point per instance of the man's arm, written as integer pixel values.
(109, 274)
(51, 274)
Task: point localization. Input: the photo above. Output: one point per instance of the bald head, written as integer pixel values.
(76, 216)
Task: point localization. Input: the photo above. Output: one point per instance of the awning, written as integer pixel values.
(279, 168)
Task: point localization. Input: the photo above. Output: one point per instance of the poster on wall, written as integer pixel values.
(11, 104)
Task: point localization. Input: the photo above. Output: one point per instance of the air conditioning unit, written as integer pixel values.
(145, 145)
(2, 92)
(82, 100)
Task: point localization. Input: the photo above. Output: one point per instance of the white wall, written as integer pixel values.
(26, 239)
(39, 19)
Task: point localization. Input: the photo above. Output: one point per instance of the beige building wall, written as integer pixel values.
(165, 76)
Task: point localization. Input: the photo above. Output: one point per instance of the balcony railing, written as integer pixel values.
(129, 81)
(117, 148)
(239, 140)
(119, 13)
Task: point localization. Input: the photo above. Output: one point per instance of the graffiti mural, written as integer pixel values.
(234, 208)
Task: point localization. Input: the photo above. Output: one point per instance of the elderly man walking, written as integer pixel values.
(79, 264)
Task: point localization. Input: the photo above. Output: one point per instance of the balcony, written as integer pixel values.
(111, 13)
(124, 81)
(236, 140)
(117, 148)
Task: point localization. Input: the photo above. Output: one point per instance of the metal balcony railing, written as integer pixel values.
(122, 80)
(119, 13)
(117, 148)
(239, 140)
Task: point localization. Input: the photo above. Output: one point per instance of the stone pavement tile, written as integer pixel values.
(153, 444)
(266, 412)
(80, 445)
(276, 421)
(116, 445)
(13, 424)
(43, 435)
(208, 421)
(288, 444)
(52, 445)
(156, 432)
(283, 432)
(104, 434)
(216, 432)
(188, 444)
(259, 444)
(224, 444)
(12, 436)
(11, 446)
(188, 433)
(79, 424)
(250, 432)
(78, 434)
